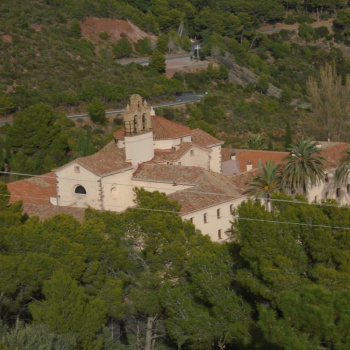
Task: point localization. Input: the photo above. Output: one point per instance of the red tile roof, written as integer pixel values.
(162, 156)
(203, 139)
(242, 180)
(108, 160)
(209, 188)
(243, 156)
(44, 212)
(36, 189)
(333, 152)
(164, 129)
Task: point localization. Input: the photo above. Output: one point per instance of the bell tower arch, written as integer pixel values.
(138, 138)
(137, 117)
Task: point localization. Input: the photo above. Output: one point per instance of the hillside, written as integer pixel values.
(46, 58)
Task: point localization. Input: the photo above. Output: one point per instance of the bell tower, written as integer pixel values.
(137, 118)
(138, 137)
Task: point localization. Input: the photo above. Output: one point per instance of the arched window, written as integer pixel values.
(136, 127)
(144, 122)
(80, 190)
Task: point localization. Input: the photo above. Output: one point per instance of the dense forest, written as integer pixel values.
(145, 279)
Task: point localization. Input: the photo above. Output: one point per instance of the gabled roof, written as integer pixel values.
(164, 129)
(37, 189)
(168, 173)
(255, 156)
(44, 212)
(108, 160)
(203, 139)
(167, 155)
(333, 152)
(209, 188)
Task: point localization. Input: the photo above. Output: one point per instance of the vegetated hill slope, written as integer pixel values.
(45, 58)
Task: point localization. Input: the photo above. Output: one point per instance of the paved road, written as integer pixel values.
(181, 100)
(144, 60)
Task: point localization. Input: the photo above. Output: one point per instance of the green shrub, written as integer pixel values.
(143, 47)
(306, 31)
(103, 35)
(320, 32)
(290, 20)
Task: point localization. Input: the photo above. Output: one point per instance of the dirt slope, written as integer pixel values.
(115, 28)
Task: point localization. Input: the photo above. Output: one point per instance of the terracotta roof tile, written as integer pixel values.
(333, 153)
(243, 156)
(47, 211)
(162, 156)
(164, 129)
(242, 181)
(203, 139)
(119, 134)
(36, 189)
(209, 188)
(168, 173)
(108, 160)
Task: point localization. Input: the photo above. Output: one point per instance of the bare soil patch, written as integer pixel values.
(115, 28)
(280, 26)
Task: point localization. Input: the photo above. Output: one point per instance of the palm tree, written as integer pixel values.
(343, 170)
(265, 183)
(304, 166)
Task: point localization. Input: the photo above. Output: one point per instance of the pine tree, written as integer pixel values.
(157, 61)
(97, 111)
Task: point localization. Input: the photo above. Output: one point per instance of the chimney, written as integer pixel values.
(249, 165)
(233, 156)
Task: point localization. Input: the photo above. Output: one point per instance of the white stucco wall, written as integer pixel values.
(199, 157)
(328, 190)
(118, 192)
(164, 187)
(214, 224)
(139, 148)
(215, 159)
(68, 179)
(163, 144)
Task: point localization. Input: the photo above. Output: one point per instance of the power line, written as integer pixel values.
(236, 196)
(123, 208)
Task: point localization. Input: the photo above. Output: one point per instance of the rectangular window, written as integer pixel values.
(231, 209)
(205, 218)
(326, 179)
(77, 169)
(219, 234)
(338, 192)
(218, 213)
(347, 189)
(191, 152)
(326, 195)
(191, 220)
